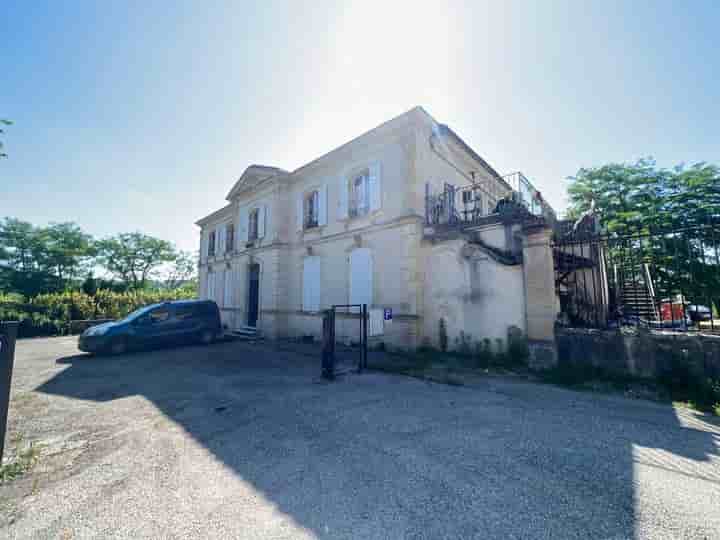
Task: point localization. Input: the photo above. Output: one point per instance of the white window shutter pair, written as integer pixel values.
(311, 284)
(374, 187)
(361, 277)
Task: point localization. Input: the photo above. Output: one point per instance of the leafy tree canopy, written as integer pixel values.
(642, 196)
(36, 259)
(134, 258)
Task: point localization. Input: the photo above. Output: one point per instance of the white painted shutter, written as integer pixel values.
(211, 286)
(342, 198)
(243, 228)
(220, 287)
(311, 284)
(203, 246)
(299, 212)
(322, 205)
(220, 239)
(228, 299)
(375, 187)
(268, 221)
(361, 277)
(261, 222)
(376, 322)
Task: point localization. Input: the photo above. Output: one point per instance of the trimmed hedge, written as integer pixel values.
(50, 314)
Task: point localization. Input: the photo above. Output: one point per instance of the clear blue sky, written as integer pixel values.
(140, 116)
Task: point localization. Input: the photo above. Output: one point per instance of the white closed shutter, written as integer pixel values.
(243, 227)
(361, 277)
(342, 198)
(322, 205)
(228, 296)
(268, 221)
(376, 322)
(375, 187)
(299, 212)
(203, 246)
(261, 221)
(311, 284)
(220, 239)
(210, 295)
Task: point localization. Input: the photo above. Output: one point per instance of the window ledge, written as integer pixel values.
(358, 219)
(314, 230)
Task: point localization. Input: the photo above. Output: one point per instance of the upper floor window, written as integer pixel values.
(229, 238)
(359, 194)
(253, 224)
(472, 203)
(311, 209)
(211, 244)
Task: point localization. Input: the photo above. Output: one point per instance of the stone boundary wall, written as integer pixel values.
(638, 352)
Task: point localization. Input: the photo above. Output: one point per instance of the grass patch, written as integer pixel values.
(24, 460)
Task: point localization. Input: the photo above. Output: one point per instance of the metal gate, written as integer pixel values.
(333, 346)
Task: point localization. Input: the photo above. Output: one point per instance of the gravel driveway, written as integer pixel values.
(241, 441)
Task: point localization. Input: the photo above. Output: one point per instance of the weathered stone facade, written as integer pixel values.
(420, 277)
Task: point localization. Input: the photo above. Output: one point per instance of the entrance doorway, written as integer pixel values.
(253, 294)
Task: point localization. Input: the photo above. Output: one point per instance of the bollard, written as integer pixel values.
(8, 334)
(328, 345)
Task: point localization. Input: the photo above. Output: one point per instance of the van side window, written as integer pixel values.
(159, 315)
(184, 312)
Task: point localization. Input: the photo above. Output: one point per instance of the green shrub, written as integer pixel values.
(483, 354)
(682, 384)
(50, 314)
(518, 351)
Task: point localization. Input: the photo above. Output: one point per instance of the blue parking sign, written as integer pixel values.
(387, 314)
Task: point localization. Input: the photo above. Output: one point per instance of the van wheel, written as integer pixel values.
(118, 346)
(207, 337)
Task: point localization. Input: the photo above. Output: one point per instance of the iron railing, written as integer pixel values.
(468, 205)
(664, 278)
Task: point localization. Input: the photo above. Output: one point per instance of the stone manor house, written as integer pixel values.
(405, 217)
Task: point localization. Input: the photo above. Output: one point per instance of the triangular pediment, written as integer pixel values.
(252, 176)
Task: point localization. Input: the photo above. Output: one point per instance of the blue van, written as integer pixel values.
(169, 323)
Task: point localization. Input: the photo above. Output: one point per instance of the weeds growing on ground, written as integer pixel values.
(24, 460)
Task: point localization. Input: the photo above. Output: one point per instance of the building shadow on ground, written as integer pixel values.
(382, 456)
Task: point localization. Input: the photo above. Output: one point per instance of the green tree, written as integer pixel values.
(182, 271)
(3, 122)
(68, 250)
(134, 258)
(640, 197)
(41, 259)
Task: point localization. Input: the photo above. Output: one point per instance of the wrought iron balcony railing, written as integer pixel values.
(468, 205)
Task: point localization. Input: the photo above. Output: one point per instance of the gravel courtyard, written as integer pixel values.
(242, 441)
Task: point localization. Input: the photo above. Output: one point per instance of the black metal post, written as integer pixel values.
(8, 334)
(328, 346)
(364, 337)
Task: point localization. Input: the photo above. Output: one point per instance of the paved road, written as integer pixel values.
(239, 441)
